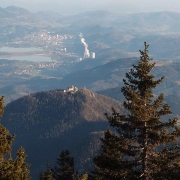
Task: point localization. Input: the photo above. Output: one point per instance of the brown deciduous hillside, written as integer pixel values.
(48, 122)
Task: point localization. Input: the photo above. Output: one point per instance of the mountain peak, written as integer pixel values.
(51, 108)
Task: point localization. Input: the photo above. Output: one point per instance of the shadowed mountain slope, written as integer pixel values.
(47, 122)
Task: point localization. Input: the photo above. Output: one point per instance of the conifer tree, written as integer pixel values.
(108, 165)
(65, 167)
(47, 175)
(142, 146)
(83, 177)
(11, 169)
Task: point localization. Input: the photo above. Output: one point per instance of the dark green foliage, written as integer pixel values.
(143, 146)
(83, 177)
(10, 169)
(64, 170)
(107, 164)
(47, 175)
(1, 106)
(65, 167)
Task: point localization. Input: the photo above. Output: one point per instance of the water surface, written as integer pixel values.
(33, 58)
(12, 49)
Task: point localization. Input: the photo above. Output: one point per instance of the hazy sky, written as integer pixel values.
(75, 6)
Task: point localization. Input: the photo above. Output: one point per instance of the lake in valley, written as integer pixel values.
(25, 57)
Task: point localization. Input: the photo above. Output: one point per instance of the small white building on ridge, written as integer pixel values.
(72, 89)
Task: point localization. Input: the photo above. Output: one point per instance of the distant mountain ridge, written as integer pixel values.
(103, 30)
(164, 20)
(99, 78)
(15, 12)
(15, 15)
(49, 15)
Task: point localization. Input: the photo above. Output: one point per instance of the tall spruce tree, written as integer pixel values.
(83, 177)
(65, 167)
(47, 175)
(11, 169)
(142, 146)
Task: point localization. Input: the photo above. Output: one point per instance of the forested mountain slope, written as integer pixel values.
(49, 121)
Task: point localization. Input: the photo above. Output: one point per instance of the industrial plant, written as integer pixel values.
(87, 54)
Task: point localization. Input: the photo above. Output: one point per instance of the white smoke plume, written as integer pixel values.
(86, 50)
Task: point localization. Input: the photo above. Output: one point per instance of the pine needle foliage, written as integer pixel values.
(83, 177)
(10, 169)
(65, 167)
(142, 146)
(47, 175)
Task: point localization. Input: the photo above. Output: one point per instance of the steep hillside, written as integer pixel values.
(101, 77)
(172, 100)
(110, 75)
(47, 122)
(114, 93)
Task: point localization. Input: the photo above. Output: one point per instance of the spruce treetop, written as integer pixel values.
(146, 145)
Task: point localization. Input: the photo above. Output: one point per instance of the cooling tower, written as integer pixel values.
(93, 55)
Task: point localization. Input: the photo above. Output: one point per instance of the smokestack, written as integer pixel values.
(86, 50)
(93, 55)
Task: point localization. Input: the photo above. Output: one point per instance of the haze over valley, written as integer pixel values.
(42, 53)
(57, 40)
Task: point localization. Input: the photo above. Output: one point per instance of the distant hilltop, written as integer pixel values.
(46, 122)
(55, 106)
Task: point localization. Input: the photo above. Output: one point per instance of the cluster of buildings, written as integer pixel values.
(71, 89)
(45, 36)
(48, 65)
